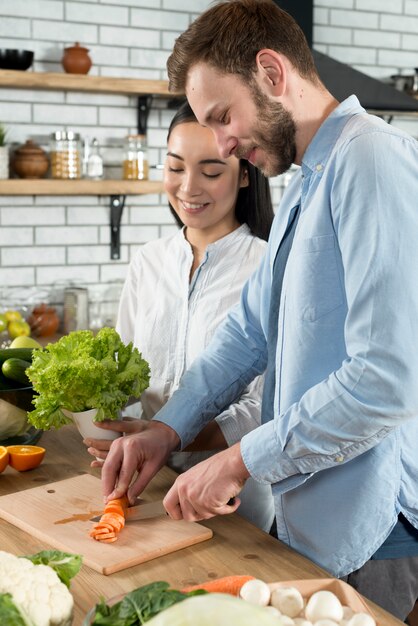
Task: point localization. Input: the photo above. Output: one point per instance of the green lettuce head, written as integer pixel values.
(84, 371)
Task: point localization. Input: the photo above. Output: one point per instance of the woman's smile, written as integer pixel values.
(193, 207)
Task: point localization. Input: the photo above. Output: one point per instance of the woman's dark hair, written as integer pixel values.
(253, 206)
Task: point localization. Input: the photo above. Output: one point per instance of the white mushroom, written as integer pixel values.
(361, 619)
(324, 605)
(288, 600)
(256, 591)
(301, 621)
(285, 620)
(326, 622)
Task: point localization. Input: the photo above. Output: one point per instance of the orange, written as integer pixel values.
(4, 458)
(23, 458)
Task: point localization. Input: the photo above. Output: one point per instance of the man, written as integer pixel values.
(332, 312)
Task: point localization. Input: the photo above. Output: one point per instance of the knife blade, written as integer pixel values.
(141, 511)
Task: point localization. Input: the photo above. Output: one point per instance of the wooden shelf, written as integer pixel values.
(82, 82)
(80, 187)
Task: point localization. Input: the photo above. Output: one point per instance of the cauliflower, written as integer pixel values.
(36, 590)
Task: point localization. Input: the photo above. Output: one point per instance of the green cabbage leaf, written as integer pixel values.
(84, 371)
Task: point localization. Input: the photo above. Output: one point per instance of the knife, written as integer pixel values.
(141, 511)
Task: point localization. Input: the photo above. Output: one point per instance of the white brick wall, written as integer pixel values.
(52, 241)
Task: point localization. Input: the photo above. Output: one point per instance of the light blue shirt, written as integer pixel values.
(340, 452)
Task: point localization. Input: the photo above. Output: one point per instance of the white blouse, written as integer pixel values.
(171, 320)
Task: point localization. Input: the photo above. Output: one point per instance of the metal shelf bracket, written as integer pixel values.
(116, 209)
(144, 106)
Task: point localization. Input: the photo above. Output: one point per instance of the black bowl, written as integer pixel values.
(15, 59)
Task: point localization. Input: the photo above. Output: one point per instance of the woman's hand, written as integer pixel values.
(100, 447)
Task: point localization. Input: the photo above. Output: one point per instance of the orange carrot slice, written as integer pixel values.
(228, 584)
(111, 522)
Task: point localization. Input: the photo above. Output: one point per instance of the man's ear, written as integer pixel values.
(271, 72)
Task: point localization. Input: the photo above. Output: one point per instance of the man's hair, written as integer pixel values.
(229, 35)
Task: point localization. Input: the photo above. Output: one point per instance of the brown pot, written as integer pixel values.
(44, 320)
(30, 161)
(76, 60)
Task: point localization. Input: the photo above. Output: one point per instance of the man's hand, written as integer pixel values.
(205, 489)
(144, 452)
(99, 448)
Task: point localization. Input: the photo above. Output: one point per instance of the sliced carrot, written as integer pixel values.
(228, 584)
(101, 536)
(111, 540)
(111, 522)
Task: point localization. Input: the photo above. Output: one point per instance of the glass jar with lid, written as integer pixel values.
(135, 160)
(65, 155)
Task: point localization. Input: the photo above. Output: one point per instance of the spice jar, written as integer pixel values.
(135, 161)
(65, 155)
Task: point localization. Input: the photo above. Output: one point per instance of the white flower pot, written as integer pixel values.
(87, 428)
(4, 162)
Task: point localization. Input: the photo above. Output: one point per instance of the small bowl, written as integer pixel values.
(11, 59)
(23, 458)
(84, 420)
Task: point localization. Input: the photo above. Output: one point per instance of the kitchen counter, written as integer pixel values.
(237, 547)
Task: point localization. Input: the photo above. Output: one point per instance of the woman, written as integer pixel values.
(180, 288)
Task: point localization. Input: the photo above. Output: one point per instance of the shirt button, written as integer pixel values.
(319, 168)
(339, 458)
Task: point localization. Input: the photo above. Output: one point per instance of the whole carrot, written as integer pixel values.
(228, 584)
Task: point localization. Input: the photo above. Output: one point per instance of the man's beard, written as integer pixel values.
(275, 134)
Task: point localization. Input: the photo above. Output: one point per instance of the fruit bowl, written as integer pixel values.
(15, 402)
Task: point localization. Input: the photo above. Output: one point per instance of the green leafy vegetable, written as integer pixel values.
(85, 371)
(9, 613)
(64, 564)
(140, 605)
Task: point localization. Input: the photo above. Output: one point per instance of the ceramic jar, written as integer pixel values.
(30, 161)
(43, 320)
(76, 60)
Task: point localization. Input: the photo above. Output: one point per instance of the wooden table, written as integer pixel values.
(237, 546)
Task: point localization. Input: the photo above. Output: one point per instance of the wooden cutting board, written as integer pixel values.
(59, 514)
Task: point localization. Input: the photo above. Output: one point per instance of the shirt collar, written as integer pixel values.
(319, 149)
(222, 243)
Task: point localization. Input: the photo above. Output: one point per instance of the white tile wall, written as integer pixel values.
(50, 241)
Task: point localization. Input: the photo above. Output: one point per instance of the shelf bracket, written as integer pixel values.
(144, 107)
(116, 209)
